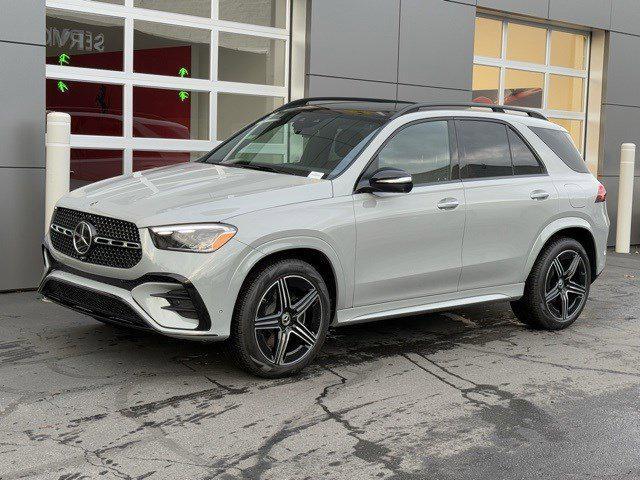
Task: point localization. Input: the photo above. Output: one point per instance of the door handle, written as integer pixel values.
(539, 195)
(448, 203)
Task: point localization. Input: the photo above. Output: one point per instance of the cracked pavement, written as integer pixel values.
(464, 394)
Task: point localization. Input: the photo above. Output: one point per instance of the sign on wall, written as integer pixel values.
(75, 39)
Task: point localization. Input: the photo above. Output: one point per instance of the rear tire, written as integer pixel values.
(557, 288)
(281, 319)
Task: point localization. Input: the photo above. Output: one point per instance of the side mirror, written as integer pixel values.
(390, 180)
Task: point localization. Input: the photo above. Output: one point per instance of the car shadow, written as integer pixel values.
(346, 345)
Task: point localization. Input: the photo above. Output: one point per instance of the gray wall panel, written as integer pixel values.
(354, 39)
(22, 21)
(590, 13)
(625, 16)
(21, 207)
(431, 94)
(621, 125)
(436, 43)
(623, 70)
(22, 37)
(328, 86)
(22, 113)
(534, 8)
(611, 184)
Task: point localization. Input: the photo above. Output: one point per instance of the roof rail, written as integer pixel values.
(305, 101)
(413, 106)
(496, 108)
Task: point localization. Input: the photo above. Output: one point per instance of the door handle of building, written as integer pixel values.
(448, 203)
(539, 195)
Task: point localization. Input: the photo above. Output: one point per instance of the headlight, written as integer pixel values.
(199, 238)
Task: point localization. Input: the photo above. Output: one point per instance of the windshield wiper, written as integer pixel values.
(254, 166)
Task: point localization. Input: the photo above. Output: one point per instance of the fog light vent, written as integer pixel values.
(179, 302)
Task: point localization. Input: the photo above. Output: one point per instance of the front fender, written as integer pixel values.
(261, 249)
(550, 230)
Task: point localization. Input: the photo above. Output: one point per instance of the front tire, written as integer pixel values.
(557, 288)
(281, 319)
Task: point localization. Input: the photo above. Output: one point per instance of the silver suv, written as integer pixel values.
(331, 211)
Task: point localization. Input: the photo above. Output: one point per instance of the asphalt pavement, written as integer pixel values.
(456, 395)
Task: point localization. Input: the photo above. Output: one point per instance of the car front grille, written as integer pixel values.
(117, 244)
(92, 302)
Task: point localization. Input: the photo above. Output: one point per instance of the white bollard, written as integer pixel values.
(625, 197)
(58, 162)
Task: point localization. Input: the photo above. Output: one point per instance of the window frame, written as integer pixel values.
(129, 79)
(547, 69)
(509, 126)
(454, 170)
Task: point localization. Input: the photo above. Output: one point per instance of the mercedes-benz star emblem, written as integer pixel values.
(83, 237)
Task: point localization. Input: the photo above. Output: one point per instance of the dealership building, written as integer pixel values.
(156, 82)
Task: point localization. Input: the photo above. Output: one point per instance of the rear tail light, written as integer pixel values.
(602, 194)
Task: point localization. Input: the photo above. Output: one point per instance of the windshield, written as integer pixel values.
(313, 142)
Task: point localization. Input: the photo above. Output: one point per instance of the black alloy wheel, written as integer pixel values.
(557, 288)
(281, 318)
(566, 285)
(288, 320)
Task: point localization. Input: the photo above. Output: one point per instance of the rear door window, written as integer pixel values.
(524, 160)
(485, 149)
(561, 144)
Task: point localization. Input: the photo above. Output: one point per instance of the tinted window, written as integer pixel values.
(422, 150)
(299, 141)
(524, 161)
(485, 149)
(561, 144)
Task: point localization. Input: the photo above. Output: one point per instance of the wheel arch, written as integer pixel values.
(312, 250)
(576, 228)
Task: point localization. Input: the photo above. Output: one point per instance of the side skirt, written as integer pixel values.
(369, 313)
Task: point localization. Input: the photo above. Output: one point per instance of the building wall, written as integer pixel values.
(22, 117)
(423, 50)
(404, 49)
(388, 48)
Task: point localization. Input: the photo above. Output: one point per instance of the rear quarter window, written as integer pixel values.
(560, 143)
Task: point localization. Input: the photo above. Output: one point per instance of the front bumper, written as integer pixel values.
(152, 295)
(166, 303)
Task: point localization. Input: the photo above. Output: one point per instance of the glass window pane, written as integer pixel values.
(422, 150)
(561, 144)
(268, 13)
(84, 40)
(248, 59)
(574, 127)
(526, 43)
(88, 165)
(318, 139)
(198, 8)
(523, 89)
(486, 84)
(488, 38)
(565, 93)
(524, 161)
(160, 113)
(182, 51)
(485, 149)
(95, 108)
(236, 111)
(568, 50)
(144, 160)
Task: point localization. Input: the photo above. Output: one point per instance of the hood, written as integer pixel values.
(193, 192)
